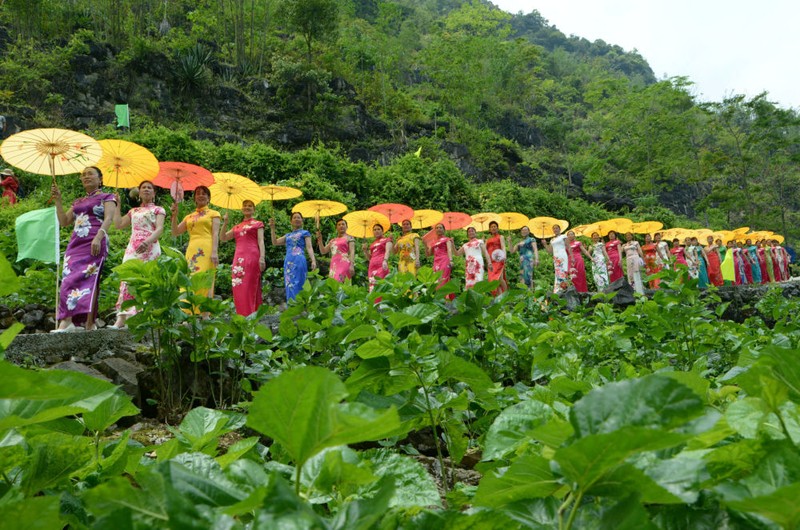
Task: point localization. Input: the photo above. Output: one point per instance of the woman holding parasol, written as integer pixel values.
(295, 266)
(203, 228)
(86, 252)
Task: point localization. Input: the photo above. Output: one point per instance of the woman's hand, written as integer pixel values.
(174, 209)
(143, 247)
(262, 264)
(96, 244)
(55, 193)
(214, 259)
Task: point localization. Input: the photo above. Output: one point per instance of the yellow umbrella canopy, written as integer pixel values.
(512, 220)
(361, 222)
(741, 230)
(317, 209)
(279, 193)
(51, 151)
(480, 221)
(587, 230)
(620, 225)
(230, 191)
(425, 218)
(542, 227)
(777, 237)
(126, 164)
(646, 227)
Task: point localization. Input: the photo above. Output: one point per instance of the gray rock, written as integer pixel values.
(33, 319)
(123, 373)
(73, 366)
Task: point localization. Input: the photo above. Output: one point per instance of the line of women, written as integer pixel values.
(736, 263)
(739, 263)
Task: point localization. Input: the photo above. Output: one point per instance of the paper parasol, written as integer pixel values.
(360, 222)
(425, 218)
(620, 225)
(777, 237)
(542, 227)
(480, 221)
(741, 230)
(587, 230)
(230, 191)
(279, 193)
(178, 177)
(396, 213)
(126, 164)
(317, 209)
(455, 220)
(646, 227)
(512, 220)
(51, 151)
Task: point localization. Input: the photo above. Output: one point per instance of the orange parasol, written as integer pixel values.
(51, 151)
(480, 221)
(360, 222)
(230, 191)
(542, 227)
(178, 177)
(425, 218)
(455, 220)
(512, 221)
(317, 209)
(646, 227)
(396, 213)
(126, 164)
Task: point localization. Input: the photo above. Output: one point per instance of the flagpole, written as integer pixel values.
(58, 265)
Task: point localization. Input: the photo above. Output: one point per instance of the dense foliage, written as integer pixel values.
(659, 415)
(503, 96)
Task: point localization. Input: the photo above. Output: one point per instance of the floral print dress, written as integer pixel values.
(245, 269)
(560, 263)
(143, 225)
(80, 270)
(473, 269)
(295, 266)
(200, 225)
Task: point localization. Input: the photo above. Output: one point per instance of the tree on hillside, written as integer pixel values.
(314, 20)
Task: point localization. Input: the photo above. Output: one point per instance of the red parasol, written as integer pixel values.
(397, 213)
(455, 220)
(180, 176)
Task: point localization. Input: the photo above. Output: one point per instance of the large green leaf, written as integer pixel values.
(54, 458)
(201, 428)
(414, 486)
(302, 411)
(512, 428)
(780, 506)
(590, 458)
(109, 411)
(627, 514)
(653, 401)
(37, 513)
(200, 479)
(528, 477)
(381, 346)
(28, 397)
(146, 500)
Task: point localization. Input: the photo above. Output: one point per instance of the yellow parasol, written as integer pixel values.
(480, 221)
(777, 237)
(51, 151)
(126, 164)
(741, 230)
(360, 222)
(230, 191)
(620, 225)
(647, 227)
(587, 230)
(542, 227)
(317, 209)
(425, 218)
(279, 193)
(512, 220)
(397, 213)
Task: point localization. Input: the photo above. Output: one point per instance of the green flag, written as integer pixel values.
(123, 116)
(37, 235)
